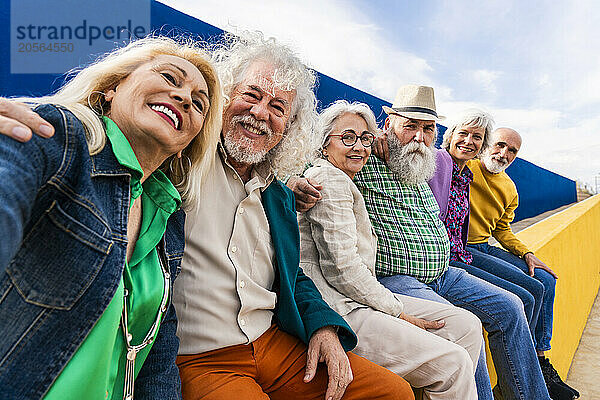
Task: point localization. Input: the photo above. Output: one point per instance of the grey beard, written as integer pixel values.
(241, 150)
(493, 166)
(413, 162)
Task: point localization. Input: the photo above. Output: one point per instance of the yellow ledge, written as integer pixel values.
(568, 242)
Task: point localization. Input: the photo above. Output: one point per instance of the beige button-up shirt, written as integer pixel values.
(223, 295)
(338, 246)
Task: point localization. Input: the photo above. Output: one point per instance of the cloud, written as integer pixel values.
(485, 79)
(532, 66)
(330, 36)
(463, 21)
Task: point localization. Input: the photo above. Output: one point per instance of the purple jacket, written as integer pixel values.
(440, 186)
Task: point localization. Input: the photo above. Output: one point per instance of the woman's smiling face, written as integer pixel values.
(163, 103)
(349, 159)
(465, 143)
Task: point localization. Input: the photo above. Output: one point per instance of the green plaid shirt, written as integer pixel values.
(412, 240)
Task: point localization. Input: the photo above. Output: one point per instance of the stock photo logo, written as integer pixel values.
(53, 36)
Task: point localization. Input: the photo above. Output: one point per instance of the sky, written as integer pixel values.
(535, 66)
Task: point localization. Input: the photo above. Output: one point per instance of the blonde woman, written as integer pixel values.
(93, 228)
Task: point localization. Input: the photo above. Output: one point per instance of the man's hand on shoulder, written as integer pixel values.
(306, 192)
(18, 121)
(324, 346)
(380, 147)
(533, 262)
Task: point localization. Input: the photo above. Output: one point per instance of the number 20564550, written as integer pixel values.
(45, 47)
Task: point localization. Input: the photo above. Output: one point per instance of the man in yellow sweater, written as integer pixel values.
(493, 201)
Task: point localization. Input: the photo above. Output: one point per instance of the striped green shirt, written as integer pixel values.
(412, 240)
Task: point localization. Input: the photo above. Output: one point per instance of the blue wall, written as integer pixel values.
(539, 189)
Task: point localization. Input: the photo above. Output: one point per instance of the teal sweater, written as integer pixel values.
(300, 308)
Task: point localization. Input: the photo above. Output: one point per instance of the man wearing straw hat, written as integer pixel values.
(413, 246)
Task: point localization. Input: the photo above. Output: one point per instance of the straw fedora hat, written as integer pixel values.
(415, 102)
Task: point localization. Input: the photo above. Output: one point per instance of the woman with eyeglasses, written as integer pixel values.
(338, 250)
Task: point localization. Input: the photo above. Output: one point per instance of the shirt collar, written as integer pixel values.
(465, 173)
(158, 186)
(122, 149)
(320, 162)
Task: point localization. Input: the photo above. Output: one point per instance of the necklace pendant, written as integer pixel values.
(129, 374)
(132, 351)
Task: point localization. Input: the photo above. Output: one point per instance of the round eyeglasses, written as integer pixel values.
(349, 138)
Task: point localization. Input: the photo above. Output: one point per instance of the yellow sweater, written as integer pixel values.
(493, 201)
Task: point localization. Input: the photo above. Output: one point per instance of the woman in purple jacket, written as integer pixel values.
(468, 136)
(464, 139)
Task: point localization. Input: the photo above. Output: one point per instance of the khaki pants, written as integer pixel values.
(441, 361)
(273, 367)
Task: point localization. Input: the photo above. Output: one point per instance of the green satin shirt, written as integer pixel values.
(96, 370)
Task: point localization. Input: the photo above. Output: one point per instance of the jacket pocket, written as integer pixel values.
(59, 258)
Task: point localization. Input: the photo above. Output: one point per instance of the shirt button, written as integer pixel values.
(242, 284)
(242, 322)
(233, 249)
(241, 210)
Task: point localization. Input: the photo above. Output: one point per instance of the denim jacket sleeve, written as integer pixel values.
(24, 169)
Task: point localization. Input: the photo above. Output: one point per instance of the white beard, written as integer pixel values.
(242, 149)
(413, 162)
(493, 166)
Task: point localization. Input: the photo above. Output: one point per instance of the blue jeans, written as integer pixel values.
(512, 273)
(503, 317)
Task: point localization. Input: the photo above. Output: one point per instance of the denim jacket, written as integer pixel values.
(63, 224)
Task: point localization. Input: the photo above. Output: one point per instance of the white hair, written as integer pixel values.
(83, 96)
(235, 53)
(472, 118)
(335, 110)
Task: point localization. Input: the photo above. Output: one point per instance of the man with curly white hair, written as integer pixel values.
(245, 307)
(251, 324)
(250, 321)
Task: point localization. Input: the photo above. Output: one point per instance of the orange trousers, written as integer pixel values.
(273, 367)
